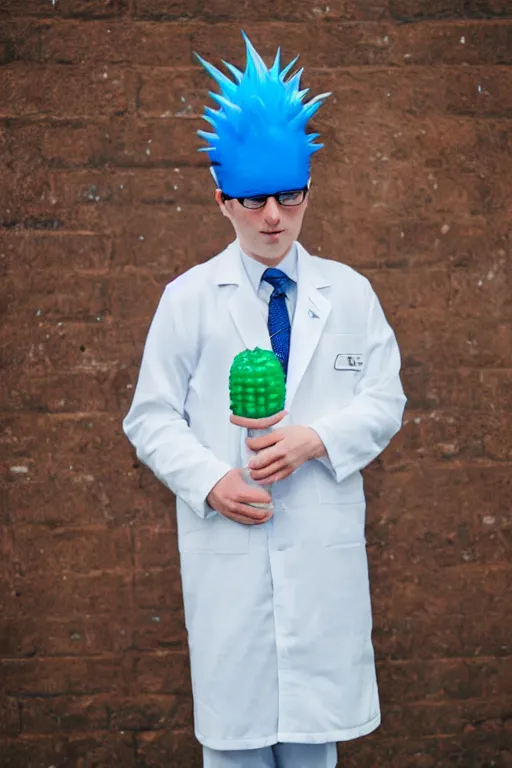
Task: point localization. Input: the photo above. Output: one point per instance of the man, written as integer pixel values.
(277, 601)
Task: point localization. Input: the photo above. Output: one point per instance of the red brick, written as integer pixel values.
(99, 749)
(444, 679)
(21, 147)
(118, 497)
(452, 435)
(19, 192)
(433, 488)
(162, 672)
(454, 145)
(414, 289)
(415, 10)
(79, 297)
(382, 241)
(63, 91)
(10, 723)
(71, 595)
(71, 347)
(65, 713)
(6, 53)
(150, 713)
(72, 445)
(425, 337)
(92, 186)
(483, 91)
(490, 285)
(160, 628)
(349, 10)
(84, 635)
(416, 90)
(416, 720)
(173, 44)
(26, 251)
(29, 677)
(418, 637)
(76, 550)
(158, 142)
(155, 547)
(157, 588)
(6, 542)
(149, 241)
(471, 44)
(461, 535)
(28, 393)
(80, 143)
(152, 186)
(464, 590)
(177, 747)
(22, 38)
(124, 142)
(464, 751)
(430, 388)
(66, 481)
(68, 8)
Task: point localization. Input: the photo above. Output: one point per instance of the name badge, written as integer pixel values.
(349, 362)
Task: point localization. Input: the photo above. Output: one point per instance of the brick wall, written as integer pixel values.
(103, 200)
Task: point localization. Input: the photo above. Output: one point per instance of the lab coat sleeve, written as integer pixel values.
(356, 434)
(156, 423)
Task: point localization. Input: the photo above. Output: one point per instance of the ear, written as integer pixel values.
(220, 203)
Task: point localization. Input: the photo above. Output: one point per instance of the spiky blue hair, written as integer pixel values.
(259, 144)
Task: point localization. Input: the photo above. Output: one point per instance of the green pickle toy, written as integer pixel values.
(256, 384)
(257, 392)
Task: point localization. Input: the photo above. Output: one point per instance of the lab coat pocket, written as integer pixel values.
(342, 525)
(215, 534)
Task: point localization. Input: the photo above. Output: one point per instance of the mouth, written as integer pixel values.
(272, 232)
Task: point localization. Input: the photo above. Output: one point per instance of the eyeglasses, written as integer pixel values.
(288, 199)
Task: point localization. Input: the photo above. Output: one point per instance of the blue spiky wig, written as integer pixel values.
(259, 144)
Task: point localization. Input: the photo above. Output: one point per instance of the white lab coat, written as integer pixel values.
(278, 615)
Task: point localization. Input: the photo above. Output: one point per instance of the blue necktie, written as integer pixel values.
(278, 319)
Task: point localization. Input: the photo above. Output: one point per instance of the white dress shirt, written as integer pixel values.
(263, 290)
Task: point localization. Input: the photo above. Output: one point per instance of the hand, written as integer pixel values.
(231, 497)
(282, 451)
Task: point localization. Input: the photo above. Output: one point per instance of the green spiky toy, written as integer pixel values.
(256, 384)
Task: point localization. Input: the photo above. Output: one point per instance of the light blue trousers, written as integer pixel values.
(277, 756)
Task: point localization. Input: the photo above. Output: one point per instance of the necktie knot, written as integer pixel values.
(277, 279)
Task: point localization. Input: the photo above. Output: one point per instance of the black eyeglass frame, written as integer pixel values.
(275, 195)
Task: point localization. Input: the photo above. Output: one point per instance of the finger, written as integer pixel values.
(286, 472)
(245, 520)
(239, 518)
(255, 513)
(252, 495)
(265, 457)
(268, 471)
(265, 441)
(264, 423)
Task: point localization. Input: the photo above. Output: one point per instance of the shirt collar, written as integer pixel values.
(255, 269)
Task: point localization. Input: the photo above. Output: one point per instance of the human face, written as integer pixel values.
(265, 234)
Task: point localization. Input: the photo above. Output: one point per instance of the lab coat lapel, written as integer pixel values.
(311, 313)
(242, 302)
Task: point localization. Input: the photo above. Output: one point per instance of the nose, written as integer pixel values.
(271, 212)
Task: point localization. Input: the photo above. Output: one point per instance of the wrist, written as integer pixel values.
(317, 448)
